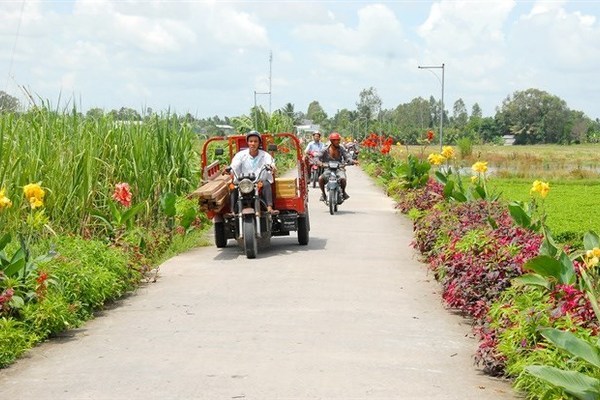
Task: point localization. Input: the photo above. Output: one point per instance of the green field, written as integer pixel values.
(571, 206)
(572, 171)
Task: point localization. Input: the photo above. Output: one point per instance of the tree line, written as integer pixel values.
(532, 116)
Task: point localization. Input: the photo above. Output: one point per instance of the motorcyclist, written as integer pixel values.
(251, 160)
(352, 148)
(334, 152)
(315, 146)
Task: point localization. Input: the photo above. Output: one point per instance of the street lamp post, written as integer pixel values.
(442, 110)
(255, 105)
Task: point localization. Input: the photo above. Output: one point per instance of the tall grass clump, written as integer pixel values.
(79, 160)
(465, 147)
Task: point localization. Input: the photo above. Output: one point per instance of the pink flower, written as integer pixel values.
(122, 194)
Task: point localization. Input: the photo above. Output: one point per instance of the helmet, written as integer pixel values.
(254, 133)
(316, 133)
(334, 136)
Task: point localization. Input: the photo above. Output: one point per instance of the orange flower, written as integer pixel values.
(430, 135)
(122, 194)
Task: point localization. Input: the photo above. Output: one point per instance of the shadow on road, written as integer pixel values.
(279, 246)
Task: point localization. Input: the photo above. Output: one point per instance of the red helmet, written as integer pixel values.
(334, 136)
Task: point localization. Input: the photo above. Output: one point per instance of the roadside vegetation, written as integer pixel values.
(518, 257)
(88, 209)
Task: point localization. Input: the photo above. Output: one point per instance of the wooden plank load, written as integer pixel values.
(214, 194)
(285, 188)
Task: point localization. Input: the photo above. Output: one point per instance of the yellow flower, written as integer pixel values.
(474, 178)
(4, 201)
(480, 167)
(592, 257)
(540, 187)
(34, 190)
(35, 194)
(436, 158)
(34, 202)
(448, 152)
(595, 252)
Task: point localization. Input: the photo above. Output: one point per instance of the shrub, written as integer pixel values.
(14, 340)
(50, 316)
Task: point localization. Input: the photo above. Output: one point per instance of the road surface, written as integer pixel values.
(353, 315)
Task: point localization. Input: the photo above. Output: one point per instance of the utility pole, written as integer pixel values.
(442, 110)
(269, 92)
(270, 76)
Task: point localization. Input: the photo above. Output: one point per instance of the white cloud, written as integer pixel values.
(211, 55)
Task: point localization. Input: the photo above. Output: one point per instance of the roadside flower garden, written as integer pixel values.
(83, 226)
(533, 303)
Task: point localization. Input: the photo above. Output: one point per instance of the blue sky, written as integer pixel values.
(209, 57)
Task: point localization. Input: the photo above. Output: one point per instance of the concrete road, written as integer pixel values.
(353, 315)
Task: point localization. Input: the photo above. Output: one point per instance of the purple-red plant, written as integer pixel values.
(422, 199)
(474, 275)
(568, 300)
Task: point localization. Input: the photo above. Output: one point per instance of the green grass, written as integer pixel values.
(570, 206)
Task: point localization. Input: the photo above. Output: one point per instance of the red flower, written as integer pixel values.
(42, 278)
(122, 194)
(430, 135)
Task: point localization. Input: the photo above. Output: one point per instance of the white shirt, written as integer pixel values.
(315, 146)
(243, 163)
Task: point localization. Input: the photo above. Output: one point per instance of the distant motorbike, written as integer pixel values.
(333, 187)
(315, 169)
(353, 152)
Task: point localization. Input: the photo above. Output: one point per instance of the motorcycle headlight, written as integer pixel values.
(246, 186)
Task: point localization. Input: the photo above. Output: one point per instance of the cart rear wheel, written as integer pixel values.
(303, 230)
(220, 239)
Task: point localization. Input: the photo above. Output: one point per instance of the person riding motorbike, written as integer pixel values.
(352, 148)
(251, 160)
(316, 146)
(334, 152)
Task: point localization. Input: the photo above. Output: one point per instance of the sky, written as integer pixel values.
(209, 58)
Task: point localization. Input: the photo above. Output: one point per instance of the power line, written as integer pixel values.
(12, 56)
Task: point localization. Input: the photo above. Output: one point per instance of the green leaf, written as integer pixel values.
(567, 274)
(579, 385)
(548, 247)
(443, 179)
(17, 302)
(17, 263)
(590, 240)
(458, 196)
(188, 216)
(568, 341)
(545, 266)
(481, 192)
(131, 212)
(519, 215)
(492, 222)
(532, 280)
(5, 240)
(167, 204)
(115, 213)
(448, 189)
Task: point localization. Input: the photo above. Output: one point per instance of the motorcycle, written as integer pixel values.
(353, 152)
(315, 169)
(253, 225)
(333, 187)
